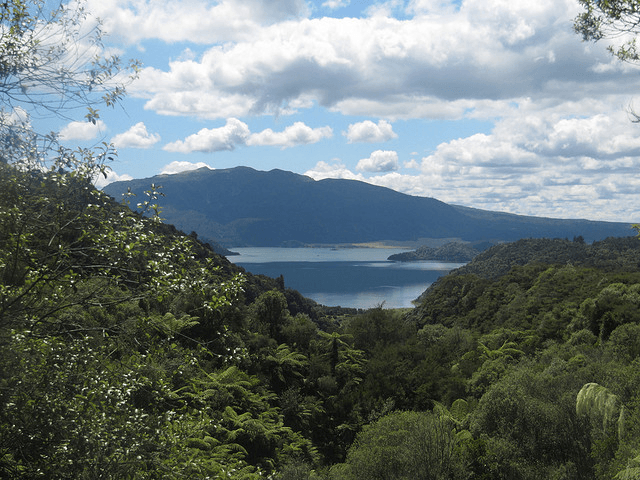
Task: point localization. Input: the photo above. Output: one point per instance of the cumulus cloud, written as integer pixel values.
(536, 164)
(112, 176)
(82, 130)
(136, 137)
(421, 7)
(236, 133)
(368, 131)
(177, 167)
(515, 64)
(531, 163)
(211, 140)
(412, 164)
(334, 4)
(379, 161)
(17, 117)
(296, 134)
(199, 21)
(336, 169)
(425, 66)
(600, 136)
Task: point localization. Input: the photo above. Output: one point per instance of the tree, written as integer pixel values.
(51, 62)
(611, 19)
(271, 313)
(403, 445)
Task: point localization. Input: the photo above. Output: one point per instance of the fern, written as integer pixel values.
(602, 406)
(170, 326)
(632, 472)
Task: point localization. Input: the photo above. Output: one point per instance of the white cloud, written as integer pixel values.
(598, 136)
(82, 130)
(368, 131)
(335, 4)
(17, 117)
(236, 132)
(208, 140)
(409, 184)
(336, 169)
(112, 176)
(421, 7)
(428, 66)
(412, 164)
(296, 134)
(379, 161)
(384, 9)
(177, 167)
(198, 21)
(136, 137)
(534, 162)
(538, 164)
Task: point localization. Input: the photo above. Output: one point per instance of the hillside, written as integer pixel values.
(449, 252)
(609, 254)
(129, 349)
(245, 207)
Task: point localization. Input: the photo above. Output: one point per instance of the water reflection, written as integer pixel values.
(357, 278)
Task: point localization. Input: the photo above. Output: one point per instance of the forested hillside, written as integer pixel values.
(449, 252)
(131, 350)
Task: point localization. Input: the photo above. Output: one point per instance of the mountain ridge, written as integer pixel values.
(242, 206)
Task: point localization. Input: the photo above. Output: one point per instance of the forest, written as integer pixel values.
(131, 350)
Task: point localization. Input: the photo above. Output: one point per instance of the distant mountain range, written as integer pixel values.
(246, 207)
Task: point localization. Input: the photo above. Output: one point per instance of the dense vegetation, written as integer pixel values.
(131, 350)
(449, 252)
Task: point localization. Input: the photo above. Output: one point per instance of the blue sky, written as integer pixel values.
(494, 104)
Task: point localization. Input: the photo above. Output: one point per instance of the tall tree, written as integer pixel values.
(52, 61)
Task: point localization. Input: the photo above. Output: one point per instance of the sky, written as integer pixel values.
(492, 104)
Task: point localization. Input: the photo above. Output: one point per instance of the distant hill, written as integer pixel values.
(450, 252)
(246, 207)
(611, 254)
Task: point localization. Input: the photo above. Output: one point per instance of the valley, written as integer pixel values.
(130, 334)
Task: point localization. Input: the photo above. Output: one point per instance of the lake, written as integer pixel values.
(348, 277)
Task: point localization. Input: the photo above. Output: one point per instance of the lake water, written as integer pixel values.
(348, 277)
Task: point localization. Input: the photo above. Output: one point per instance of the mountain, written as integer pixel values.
(131, 350)
(246, 207)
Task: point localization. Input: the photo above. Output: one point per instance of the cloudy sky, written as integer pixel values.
(494, 104)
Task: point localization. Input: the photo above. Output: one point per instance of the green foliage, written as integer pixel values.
(271, 313)
(97, 320)
(615, 305)
(71, 412)
(611, 19)
(528, 427)
(625, 340)
(631, 471)
(450, 252)
(611, 254)
(602, 407)
(130, 350)
(406, 445)
(52, 61)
